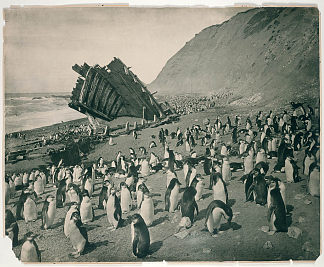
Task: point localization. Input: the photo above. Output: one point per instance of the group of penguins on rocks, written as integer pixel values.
(275, 137)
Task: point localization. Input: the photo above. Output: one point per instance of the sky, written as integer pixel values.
(42, 44)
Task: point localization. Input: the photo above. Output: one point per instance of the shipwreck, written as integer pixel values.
(114, 91)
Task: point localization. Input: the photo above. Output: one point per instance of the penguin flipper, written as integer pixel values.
(135, 242)
(250, 193)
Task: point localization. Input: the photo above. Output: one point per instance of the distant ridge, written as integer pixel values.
(260, 54)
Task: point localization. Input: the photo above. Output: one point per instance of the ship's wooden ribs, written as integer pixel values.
(93, 88)
(113, 106)
(85, 87)
(119, 108)
(100, 94)
(108, 97)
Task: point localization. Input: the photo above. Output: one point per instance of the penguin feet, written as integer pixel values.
(271, 232)
(75, 254)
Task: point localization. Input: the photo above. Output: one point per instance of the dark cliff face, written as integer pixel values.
(260, 54)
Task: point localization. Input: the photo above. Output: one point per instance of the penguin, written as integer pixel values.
(199, 187)
(152, 144)
(258, 188)
(78, 235)
(114, 213)
(219, 187)
(147, 209)
(170, 175)
(145, 168)
(86, 209)
(276, 212)
(262, 166)
(248, 164)
(25, 179)
(61, 194)
(314, 180)
(215, 211)
(66, 227)
(104, 194)
(282, 189)
(207, 165)
(261, 156)
(308, 160)
(29, 250)
(88, 180)
(125, 198)
(20, 204)
(18, 180)
(140, 236)
(48, 212)
(291, 170)
(74, 193)
(226, 170)
(39, 185)
(11, 227)
(188, 203)
(30, 209)
(172, 195)
(140, 189)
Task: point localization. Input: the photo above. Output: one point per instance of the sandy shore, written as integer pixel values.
(245, 241)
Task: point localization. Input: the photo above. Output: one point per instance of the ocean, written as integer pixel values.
(25, 111)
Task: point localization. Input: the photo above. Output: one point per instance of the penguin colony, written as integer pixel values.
(127, 200)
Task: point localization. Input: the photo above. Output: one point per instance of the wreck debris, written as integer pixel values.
(114, 91)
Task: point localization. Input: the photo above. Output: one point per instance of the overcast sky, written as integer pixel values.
(42, 44)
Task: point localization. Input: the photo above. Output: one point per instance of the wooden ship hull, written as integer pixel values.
(114, 91)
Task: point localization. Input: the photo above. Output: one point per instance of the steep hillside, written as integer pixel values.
(260, 54)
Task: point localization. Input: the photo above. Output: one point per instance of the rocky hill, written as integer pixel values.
(261, 54)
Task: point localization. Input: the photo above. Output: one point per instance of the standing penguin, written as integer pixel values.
(172, 195)
(188, 203)
(78, 235)
(104, 194)
(276, 211)
(68, 217)
(140, 189)
(147, 209)
(314, 187)
(11, 227)
(30, 209)
(308, 160)
(199, 187)
(248, 163)
(29, 250)
(74, 193)
(61, 194)
(88, 180)
(140, 236)
(39, 185)
(281, 186)
(226, 170)
(291, 170)
(258, 188)
(114, 213)
(219, 187)
(125, 198)
(48, 212)
(86, 209)
(215, 211)
(261, 156)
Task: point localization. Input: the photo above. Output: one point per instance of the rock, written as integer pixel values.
(294, 232)
(182, 234)
(301, 219)
(194, 233)
(267, 245)
(206, 250)
(307, 247)
(307, 201)
(265, 229)
(299, 196)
